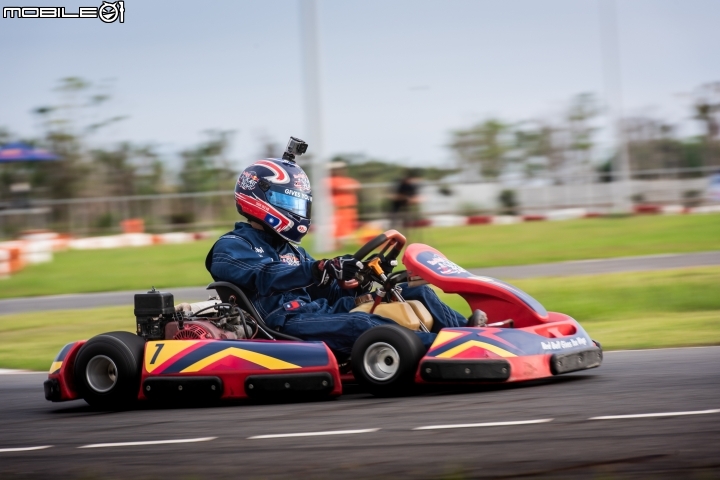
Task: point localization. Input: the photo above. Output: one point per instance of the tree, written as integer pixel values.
(707, 108)
(150, 172)
(126, 170)
(205, 167)
(540, 147)
(583, 109)
(67, 127)
(651, 144)
(483, 147)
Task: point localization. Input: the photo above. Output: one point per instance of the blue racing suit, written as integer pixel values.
(278, 279)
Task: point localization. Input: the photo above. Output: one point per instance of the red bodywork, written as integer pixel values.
(232, 361)
(540, 345)
(62, 370)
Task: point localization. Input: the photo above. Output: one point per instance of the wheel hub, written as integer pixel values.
(101, 373)
(381, 361)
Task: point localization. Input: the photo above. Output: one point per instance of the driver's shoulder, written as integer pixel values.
(238, 241)
(304, 253)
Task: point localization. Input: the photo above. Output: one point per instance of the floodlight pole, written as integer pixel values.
(613, 90)
(322, 214)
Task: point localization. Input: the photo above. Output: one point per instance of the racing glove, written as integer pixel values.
(338, 268)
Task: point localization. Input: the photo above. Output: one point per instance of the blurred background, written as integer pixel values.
(461, 123)
(518, 108)
(570, 147)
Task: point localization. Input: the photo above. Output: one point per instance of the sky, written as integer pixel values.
(396, 76)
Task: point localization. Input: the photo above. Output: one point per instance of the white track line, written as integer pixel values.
(648, 415)
(315, 434)
(8, 371)
(155, 442)
(490, 424)
(23, 449)
(648, 350)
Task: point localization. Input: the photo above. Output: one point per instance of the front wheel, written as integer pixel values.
(384, 359)
(107, 369)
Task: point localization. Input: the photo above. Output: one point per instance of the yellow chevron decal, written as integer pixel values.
(157, 353)
(475, 343)
(55, 366)
(266, 361)
(445, 337)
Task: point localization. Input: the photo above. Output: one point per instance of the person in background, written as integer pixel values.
(403, 197)
(344, 197)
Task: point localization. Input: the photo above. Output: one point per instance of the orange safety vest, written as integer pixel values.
(344, 200)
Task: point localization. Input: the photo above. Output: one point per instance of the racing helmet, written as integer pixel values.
(276, 193)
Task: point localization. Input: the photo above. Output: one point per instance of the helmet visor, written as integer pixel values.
(293, 201)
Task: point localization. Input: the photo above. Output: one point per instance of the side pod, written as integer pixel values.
(60, 385)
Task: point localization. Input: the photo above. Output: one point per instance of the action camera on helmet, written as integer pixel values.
(294, 147)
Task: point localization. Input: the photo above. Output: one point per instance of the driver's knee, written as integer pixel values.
(423, 293)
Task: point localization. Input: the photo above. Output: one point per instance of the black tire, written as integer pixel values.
(108, 369)
(384, 359)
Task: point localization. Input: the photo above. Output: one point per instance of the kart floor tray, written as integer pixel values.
(183, 388)
(465, 370)
(572, 362)
(296, 383)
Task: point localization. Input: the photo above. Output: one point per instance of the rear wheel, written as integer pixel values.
(107, 369)
(384, 359)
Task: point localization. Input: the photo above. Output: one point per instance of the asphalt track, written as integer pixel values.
(548, 429)
(581, 267)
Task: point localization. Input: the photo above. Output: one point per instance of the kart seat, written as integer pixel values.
(231, 293)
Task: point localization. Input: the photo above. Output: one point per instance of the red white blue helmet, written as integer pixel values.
(276, 192)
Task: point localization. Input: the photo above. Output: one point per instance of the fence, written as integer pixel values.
(208, 210)
(687, 187)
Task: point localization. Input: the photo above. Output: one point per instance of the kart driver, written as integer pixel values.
(295, 293)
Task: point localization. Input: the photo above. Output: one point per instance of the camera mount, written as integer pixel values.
(294, 147)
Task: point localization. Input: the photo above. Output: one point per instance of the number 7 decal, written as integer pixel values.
(158, 347)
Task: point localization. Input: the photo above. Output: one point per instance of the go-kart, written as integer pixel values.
(222, 348)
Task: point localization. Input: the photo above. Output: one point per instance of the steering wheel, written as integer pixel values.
(393, 240)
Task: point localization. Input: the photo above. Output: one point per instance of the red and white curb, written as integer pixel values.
(556, 215)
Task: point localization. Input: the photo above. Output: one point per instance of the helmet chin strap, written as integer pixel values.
(256, 225)
(259, 226)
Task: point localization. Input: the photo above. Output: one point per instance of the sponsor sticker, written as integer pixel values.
(248, 180)
(297, 194)
(290, 259)
(260, 209)
(301, 181)
(445, 266)
(302, 228)
(563, 344)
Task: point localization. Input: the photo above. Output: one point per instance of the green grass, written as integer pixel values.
(632, 310)
(540, 242)
(168, 266)
(31, 340)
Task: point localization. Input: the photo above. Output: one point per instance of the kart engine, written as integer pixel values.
(153, 310)
(159, 319)
(191, 332)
